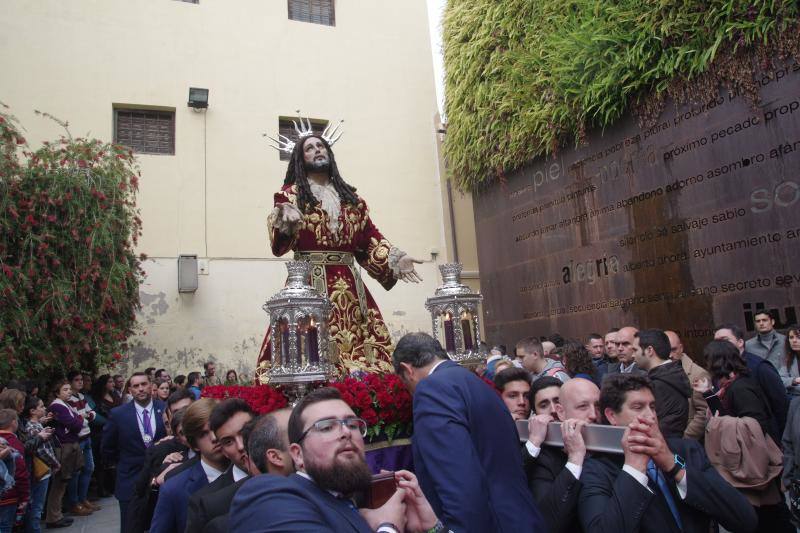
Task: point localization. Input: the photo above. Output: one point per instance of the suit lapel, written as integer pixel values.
(161, 430)
(349, 514)
(134, 425)
(197, 476)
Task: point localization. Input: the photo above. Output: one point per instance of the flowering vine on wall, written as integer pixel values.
(69, 277)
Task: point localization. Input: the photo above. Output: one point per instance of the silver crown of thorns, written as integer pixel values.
(331, 134)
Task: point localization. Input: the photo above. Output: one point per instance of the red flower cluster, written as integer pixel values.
(382, 400)
(262, 398)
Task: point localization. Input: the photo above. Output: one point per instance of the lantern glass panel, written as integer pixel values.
(282, 342)
(447, 329)
(467, 330)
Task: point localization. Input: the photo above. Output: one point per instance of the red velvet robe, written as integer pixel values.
(361, 338)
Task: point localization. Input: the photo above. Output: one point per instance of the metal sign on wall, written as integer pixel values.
(692, 222)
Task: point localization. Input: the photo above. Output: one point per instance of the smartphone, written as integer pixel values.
(714, 404)
(597, 437)
(380, 490)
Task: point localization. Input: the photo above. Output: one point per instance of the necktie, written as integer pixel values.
(661, 483)
(148, 430)
(348, 502)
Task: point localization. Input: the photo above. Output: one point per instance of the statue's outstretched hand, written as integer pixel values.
(288, 218)
(407, 272)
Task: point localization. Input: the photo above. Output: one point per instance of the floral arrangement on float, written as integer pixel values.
(262, 398)
(382, 400)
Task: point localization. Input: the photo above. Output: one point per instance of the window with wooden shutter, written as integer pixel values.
(145, 131)
(315, 11)
(285, 127)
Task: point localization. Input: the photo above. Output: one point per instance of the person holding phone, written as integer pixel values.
(45, 454)
(658, 485)
(68, 425)
(739, 396)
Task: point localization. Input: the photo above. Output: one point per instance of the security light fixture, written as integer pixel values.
(198, 98)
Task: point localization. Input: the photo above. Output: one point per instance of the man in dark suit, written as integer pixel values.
(327, 447)
(227, 421)
(554, 473)
(625, 352)
(173, 497)
(140, 509)
(465, 446)
(659, 485)
(267, 444)
(129, 431)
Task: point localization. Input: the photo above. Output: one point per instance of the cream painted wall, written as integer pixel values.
(77, 59)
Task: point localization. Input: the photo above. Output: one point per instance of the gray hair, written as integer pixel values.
(266, 435)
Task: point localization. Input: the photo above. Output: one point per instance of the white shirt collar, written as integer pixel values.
(238, 474)
(139, 408)
(331, 492)
(211, 472)
(434, 367)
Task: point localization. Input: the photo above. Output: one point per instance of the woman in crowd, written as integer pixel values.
(43, 460)
(578, 361)
(741, 397)
(739, 394)
(789, 371)
(162, 389)
(102, 401)
(231, 378)
(68, 424)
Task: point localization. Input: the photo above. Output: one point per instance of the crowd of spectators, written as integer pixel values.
(706, 440)
(52, 462)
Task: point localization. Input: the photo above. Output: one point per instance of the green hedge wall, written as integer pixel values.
(527, 76)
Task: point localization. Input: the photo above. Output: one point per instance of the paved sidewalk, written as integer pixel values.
(106, 520)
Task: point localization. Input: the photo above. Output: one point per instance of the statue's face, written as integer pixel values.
(315, 154)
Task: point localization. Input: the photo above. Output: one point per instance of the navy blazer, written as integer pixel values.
(466, 455)
(612, 501)
(169, 515)
(290, 504)
(122, 443)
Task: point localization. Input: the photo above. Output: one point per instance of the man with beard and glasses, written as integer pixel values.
(327, 448)
(320, 218)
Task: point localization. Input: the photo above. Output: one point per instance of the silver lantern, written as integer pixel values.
(299, 347)
(454, 312)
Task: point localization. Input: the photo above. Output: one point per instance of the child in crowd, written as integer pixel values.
(14, 500)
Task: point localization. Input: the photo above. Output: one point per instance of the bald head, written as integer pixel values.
(578, 400)
(626, 348)
(675, 346)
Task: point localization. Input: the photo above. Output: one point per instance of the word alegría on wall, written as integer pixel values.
(685, 224)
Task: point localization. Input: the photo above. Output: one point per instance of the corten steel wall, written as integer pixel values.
(690, 223)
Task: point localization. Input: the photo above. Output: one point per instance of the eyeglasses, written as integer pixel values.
(327, 426)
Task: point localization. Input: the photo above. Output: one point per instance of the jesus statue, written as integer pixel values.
(319, 217)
